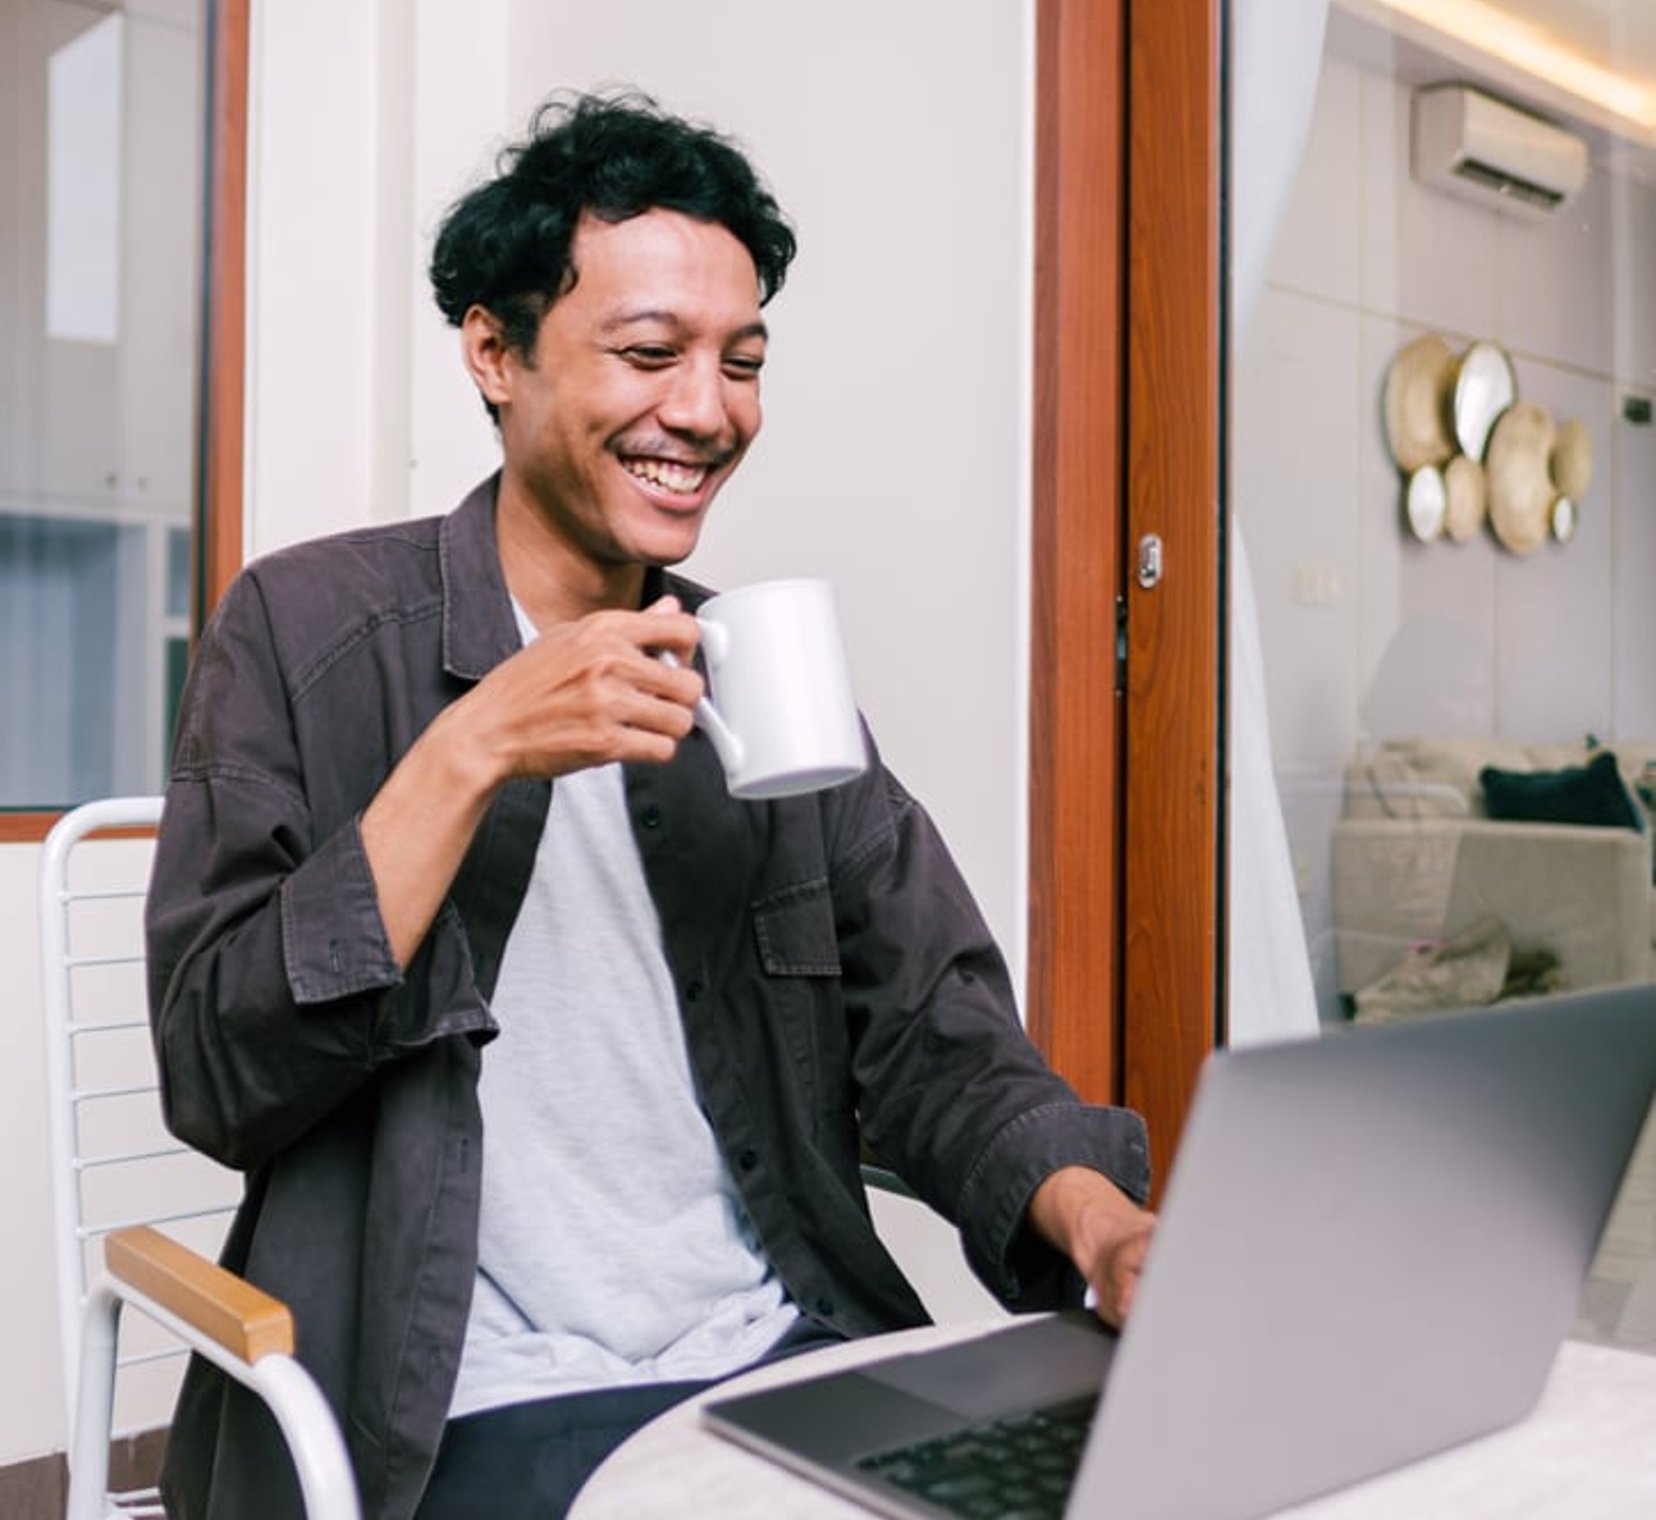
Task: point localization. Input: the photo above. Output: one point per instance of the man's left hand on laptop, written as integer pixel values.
(1100, 1229)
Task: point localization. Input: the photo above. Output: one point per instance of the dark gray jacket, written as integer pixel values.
(835, 979)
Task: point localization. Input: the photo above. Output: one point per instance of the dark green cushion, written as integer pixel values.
(1593, 793)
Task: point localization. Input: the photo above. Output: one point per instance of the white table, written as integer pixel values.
(1587, 1453)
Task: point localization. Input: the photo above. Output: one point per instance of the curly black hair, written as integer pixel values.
(506, 245)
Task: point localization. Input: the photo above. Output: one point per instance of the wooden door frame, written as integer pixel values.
(1073, 975)
(221, 410)
(1126, 968)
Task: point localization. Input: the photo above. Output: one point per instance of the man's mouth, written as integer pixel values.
(667, 474)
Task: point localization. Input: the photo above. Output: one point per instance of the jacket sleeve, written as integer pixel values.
(273, 991)
(951, 1092)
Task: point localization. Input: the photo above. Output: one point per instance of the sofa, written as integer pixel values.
(1417, 858)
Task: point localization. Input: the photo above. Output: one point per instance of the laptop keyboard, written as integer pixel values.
(1018, 1469)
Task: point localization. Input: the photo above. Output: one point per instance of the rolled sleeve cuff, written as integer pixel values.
(334, 942)
(1019, 1267)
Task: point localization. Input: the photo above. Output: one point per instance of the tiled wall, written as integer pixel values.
(1368, 634)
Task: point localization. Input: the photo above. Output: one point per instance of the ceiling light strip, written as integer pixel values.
(1477, 33)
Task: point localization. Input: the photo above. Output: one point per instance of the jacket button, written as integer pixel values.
(693, 990)
(748, 1159)
(651, 817)
(825, 1306)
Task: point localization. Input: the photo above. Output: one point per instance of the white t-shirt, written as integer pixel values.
(612, 1247)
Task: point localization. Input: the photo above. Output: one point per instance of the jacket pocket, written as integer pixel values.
(799, 954)
(795, 931)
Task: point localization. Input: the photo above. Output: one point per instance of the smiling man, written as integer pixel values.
(549, 1064)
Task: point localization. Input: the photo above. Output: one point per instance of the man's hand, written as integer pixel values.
(585, 693)
(1100, 1229)
(590, 692)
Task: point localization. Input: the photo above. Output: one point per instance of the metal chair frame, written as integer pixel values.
(209, 1310)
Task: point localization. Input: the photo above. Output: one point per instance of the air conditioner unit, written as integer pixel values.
(1473, 145)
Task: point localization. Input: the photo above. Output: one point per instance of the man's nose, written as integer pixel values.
(695, 402)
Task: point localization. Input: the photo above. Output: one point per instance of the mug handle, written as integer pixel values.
(726, 744)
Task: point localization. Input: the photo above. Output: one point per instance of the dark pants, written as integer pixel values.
(528, 1461)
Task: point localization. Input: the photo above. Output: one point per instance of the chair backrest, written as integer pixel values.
(112, 1162)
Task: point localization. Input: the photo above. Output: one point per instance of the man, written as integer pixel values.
(547, 1061)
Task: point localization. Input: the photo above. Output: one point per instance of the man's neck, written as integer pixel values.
(549, 577)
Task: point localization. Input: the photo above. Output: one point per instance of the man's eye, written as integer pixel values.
(744, 366)
(648, 355)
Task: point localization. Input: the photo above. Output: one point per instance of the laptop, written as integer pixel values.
(1371, 1247)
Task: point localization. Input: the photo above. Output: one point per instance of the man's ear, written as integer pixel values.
(483, 346)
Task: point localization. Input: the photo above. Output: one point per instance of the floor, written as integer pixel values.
(1618, 1306)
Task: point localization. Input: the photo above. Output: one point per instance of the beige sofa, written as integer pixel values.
(1416, 860)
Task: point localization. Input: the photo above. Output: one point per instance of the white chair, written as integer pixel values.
(116, 1175)
(927, 1248)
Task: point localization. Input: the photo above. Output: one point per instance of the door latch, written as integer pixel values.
(1150, 561)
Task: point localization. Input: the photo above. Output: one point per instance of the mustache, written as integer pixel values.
(709, 458)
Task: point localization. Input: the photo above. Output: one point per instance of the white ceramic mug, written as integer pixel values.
(780, 710)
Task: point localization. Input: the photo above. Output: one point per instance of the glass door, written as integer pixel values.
(1441, 481)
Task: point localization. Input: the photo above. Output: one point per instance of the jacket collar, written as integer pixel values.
(479, 629)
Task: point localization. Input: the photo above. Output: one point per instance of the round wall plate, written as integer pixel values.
(1419, 404)
(1484, 388)
(1572, 458)
(1521, 491)
(1427, 503)
(1463, 482)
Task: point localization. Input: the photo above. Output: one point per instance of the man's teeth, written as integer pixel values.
(667, 473)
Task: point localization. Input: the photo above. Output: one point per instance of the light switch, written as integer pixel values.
(1315, 585)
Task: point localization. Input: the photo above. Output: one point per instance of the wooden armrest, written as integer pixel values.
(246, 1321)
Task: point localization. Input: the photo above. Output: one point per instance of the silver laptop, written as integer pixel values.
(1371, 1247)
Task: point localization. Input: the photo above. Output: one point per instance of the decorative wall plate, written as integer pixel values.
(1426, 503)
(1521, 490)
(1485, 386)
(1420, 389)
(1464, 485)
(1572, 459)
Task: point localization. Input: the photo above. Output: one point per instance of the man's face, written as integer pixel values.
(644, 391)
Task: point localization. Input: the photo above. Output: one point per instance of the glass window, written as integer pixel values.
(1442, 466)
(101, 198)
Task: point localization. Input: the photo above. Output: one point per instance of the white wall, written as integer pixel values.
(1368, 634)
(890, 461)
(31, 1407)
(894, 454)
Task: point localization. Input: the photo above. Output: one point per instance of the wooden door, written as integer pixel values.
(1126, 934)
